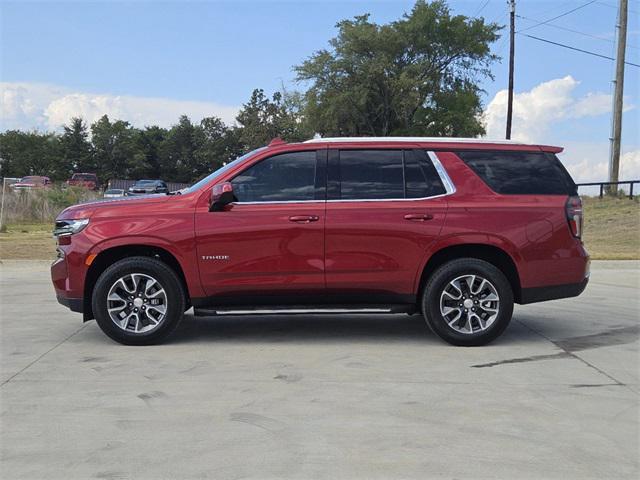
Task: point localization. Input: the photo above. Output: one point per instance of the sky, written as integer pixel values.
(149, 62)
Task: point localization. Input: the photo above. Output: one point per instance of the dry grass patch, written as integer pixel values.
(612, 228)
(28, 242)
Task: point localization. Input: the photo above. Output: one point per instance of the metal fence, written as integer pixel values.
(125, 184)
(603, 184)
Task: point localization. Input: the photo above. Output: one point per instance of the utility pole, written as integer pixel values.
(512, 35)
(616, 123)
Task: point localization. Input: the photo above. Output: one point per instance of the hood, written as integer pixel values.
(86, 210)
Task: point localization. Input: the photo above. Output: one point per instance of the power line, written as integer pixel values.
(482, 7)
(574, 48)
(585, 34)
(558, 16)
(604, 4)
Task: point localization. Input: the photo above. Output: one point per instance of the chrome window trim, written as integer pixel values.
(449, 187)
(275, 202)
(389, 199)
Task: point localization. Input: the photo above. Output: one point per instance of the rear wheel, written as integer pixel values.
(468, 302)
(138, 301)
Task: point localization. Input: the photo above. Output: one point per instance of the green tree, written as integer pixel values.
(113, 147)
(31, 153)
(415, 76)
(262, 119)
(76, 148)
(218, 145)
(147, 158)
(179, 162)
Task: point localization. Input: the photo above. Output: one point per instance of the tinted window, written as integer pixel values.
(521, 172)
(387, 174)
(371, 174)
(421, 177)
(286, 177)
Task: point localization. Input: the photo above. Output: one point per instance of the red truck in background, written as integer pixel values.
(85, 180)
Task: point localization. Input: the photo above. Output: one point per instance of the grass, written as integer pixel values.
(29, 241)
(612, 228)
(611, 232)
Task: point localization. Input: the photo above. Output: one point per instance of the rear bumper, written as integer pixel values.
(553, 292)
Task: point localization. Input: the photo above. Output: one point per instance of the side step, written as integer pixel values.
(302, 310)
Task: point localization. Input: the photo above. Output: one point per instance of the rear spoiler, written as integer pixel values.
(551, 149)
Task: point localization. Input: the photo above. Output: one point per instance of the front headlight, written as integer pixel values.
(69, 227)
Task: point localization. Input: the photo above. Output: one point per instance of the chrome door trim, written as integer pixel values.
(449, 187)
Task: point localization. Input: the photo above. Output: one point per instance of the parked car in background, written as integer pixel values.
(148, 187)
(85, 180)
(114, 193)
(455, 229)
(32, 181)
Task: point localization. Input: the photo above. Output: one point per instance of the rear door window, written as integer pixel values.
(386, 175)
(520, 173)
(422, 179)
(371, 174)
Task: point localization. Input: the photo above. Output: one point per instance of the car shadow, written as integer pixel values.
(303, 328)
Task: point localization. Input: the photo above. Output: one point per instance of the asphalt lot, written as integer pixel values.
(332, 397)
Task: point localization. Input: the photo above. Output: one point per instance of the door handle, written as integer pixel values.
(418, 217)
(304, 218)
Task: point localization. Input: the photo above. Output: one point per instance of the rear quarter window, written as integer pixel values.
(520, 173)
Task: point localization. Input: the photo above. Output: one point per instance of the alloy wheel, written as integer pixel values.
(469, 304)
(137, 303)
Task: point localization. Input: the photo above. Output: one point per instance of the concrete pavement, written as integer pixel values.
(335, 397)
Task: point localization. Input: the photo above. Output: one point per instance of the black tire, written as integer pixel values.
(437, 284)
(167, 278)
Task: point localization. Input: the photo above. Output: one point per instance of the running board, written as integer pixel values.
(302, 310)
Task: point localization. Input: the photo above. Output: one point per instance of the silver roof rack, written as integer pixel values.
(412, 139)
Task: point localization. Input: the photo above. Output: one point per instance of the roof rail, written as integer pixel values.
(412, 139)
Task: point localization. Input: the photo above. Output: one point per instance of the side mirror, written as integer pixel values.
(221, 195)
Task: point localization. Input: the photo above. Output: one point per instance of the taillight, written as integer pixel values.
(574, 215)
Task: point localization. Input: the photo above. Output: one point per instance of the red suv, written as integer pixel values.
(455, 229)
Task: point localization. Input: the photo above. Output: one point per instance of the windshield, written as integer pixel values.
(30, 179)
(220, 171)
(145, 182)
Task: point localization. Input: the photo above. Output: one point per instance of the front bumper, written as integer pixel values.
(68, 274)
(73, 304)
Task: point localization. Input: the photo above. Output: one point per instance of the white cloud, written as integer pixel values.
(630, 165)
(33, 105)
(535, 111)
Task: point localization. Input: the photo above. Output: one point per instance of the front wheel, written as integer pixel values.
(468, 302)
(138, 301)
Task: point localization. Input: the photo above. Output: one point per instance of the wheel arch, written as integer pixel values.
(113, 254)
(493, 254)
